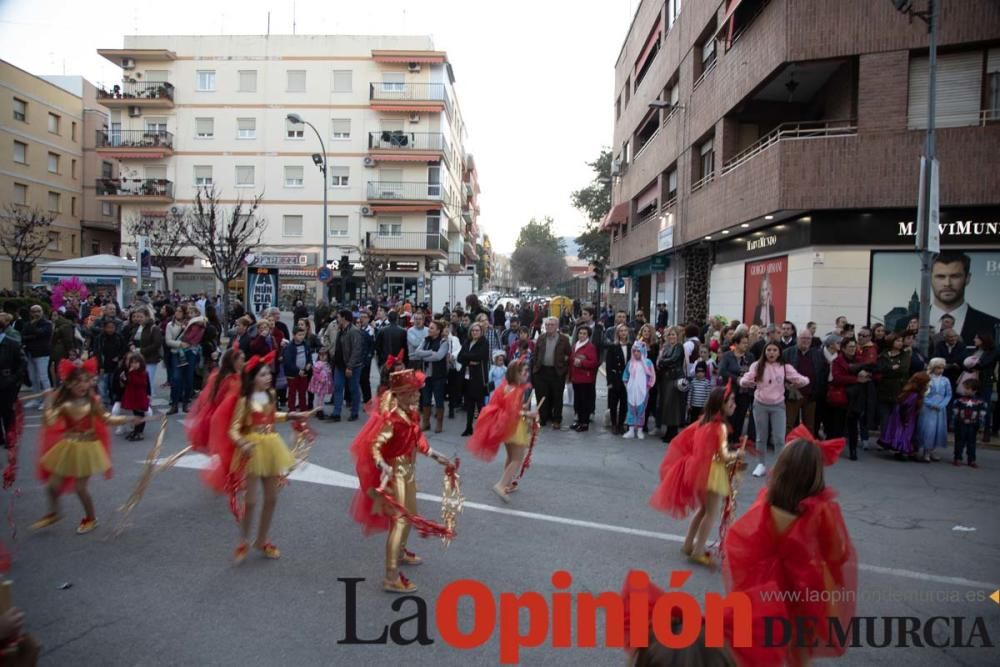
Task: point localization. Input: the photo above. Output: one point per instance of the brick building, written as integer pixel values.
(767, 156)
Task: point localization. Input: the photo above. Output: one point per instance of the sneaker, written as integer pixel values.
(172, 410)
(46, 521)
(86, 525)
(641, 435)
(759, 470)
(629, 434)
(268, 550)
(973, 465)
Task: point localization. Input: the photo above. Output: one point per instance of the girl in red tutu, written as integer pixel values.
(223, 383)
(693, 474)
(75, 441)
(507, 419)
(794, 539)
(135, 391)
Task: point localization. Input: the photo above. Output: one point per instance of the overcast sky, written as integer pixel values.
(534, 77)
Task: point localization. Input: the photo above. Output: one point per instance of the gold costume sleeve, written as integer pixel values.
(236, 425)
(106, 416)
(725, 454)
(51, 414)
(383, 437)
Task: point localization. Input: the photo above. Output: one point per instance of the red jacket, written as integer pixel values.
(586, 372)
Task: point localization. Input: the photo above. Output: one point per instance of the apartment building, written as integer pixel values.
(45, 162)
(214, 111)
(766, 157)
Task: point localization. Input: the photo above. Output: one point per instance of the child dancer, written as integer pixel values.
(901, 430)
(693, 473)
(321, 384)
(698, 390)
(223, 383)
(933, 422)
(638, 377)
(497, 372)
(506, 419)
(793, 543)
(244, 439)
(135, 391)
(970, 416)
(75, 441)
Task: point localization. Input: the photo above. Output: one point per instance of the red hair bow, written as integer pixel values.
(67, 366)
(256, 360)
(395, 359)
(830, 448)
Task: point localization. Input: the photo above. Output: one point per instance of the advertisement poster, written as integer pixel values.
(964, 284)
(765, 291)
(262, 289)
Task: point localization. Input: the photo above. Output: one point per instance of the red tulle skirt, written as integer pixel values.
(497, 422)
(684, 470)
(198, 422)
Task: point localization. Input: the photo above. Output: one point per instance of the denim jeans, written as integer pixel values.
(151, 372)
(107, 379)
(38, 372)
(433, 391)
(769, 418)
(339, 380)
(182, 383)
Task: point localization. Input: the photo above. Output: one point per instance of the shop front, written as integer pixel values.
(861, 264)
(404, 280)
(296, 276)
(649, 283)
(192, 283)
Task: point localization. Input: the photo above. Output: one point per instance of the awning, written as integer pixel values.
(409, 59)
(409, 157)
(647, 197)
(652, 41)
(616, 216)
(408, 106)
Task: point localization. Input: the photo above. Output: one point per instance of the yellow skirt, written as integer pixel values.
(522, 434)
(269, 458)
(76, 458)
(718, 479)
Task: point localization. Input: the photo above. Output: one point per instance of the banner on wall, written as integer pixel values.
(262, 289)
(964, 284)
(765, 291)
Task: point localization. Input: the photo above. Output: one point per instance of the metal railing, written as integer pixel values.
(703, 181)
(821, 129)
(456, 259)
(135, 187)
(392, 190)
(705, 73)
(397, 140)
(137, 90)
(134, 139)
(392, 91)
(407, 241)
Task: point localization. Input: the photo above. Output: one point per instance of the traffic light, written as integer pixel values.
(346, 270)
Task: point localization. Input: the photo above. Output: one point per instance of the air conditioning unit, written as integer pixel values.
(368, 161)
(128, 63)
(176, 211)
(414, 117)
(135, 111)
(413, 67)
(367, 212)
(616, 168)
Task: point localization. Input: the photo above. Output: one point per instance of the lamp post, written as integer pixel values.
(928, 239)
(319, 159)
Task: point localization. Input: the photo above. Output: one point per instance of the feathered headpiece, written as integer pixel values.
(396, 359)
(256, 360)
(829, 448)
(409, 380)
(67, 366)
(68, 287)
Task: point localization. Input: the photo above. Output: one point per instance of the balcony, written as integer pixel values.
(397, 192)
(158, 94)
(399, 146)
(135, 190)
(416, 97)
(407, 243)
(135, 144)
(822, 129)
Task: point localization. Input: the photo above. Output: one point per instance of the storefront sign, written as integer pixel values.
(765, 291)
(665, 238)
(404, 267)
(897, 227)
(280, 259)
(779, 238)
(761, 243)
(658, 263)
(959, 228)
(262, 289)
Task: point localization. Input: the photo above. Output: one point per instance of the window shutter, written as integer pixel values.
(959, 83)
(204, 127)
(341, 126)
(296, 80)
(248, 81)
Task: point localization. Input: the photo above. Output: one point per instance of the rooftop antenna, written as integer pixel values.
(293, 17)
(269, 24)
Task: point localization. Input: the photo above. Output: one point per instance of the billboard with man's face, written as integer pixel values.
(965, 288)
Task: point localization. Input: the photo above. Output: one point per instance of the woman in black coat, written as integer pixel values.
(616, 359)
(475, 359)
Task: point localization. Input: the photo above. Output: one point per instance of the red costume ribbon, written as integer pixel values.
(425, 527)
(395, 359)
(829, 448)
(67, 366)
(256, 360)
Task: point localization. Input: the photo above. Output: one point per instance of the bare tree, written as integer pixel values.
(224, 236)
(24, 235)
(376, 266)
(165, 239)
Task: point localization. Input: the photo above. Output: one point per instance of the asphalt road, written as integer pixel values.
(165, 592)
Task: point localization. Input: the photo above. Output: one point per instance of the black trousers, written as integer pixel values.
(141, 426)
(549, 385)
(455, 388)
(7, 400)
(584, 398)
(743, 404)
(366, 381)
(473, 402)
(617, 403)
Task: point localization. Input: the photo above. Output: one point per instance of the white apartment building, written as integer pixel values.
(213, 110)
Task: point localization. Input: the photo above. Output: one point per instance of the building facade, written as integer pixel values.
(46, 161)
(767, 156)
(195, 112)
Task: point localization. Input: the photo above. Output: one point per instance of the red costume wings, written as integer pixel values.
(51, 435)
(497, 421)
(685, 467)
(198, 423)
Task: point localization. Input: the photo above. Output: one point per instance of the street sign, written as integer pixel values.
(618, 283)
(324, 275)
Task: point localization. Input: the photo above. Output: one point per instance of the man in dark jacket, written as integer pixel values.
(12, 368)
(109, 348)
(550, 366)
(36, 339)
(953, 350)
(735, 363)
(367, 353)
(390, 339)
(809, 362)
(346, 363)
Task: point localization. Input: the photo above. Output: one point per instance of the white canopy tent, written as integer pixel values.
(113, 275)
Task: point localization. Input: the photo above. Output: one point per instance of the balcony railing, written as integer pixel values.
(397, 140)
(391, 91)
(135, 187)
(135, 139)
(138, 90)
(702, 182)
(822, 129)
(408, 241)
(396, 190)
(456, 259)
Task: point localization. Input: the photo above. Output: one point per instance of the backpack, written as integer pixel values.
(694, 356)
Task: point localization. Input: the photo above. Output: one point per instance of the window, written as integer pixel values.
(292, 225)
(204, 128)
(294, 130)
(95, 247)
(618, 107)
(53, 123)
(390, 226)
(156, 126)
(53, 163)
(337, 225)
(339, 177)
(20, 152)
(673, 11)
(628, 90)
(72, 169)
(72, 131)
(72, 206)
(206, 80)
(53, 241)
(648, 53)
(672, 184)
(20, 193)
(20, 110)
(248, 81)
(647, 129)
(296, 82)
(244, 176)
(434, 181)
(203, 176)
(959, 90)
(708, 54)
(106, 208)
(294, 177)
(246, 128)
(672, 94)
(434, 224)
(393, 82)
(707, 164)
(55, 202)
(342, 81)
(107, 170)
(340, 128)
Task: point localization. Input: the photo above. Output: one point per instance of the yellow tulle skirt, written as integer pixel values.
(270, 456)
(718, 479)
(76, 458)
(522, 434)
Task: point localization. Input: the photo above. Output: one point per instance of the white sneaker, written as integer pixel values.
(759, 470)
(629, 434)
(641, 435)
(864, 445)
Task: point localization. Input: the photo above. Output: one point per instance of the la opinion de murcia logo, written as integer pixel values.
(957, 228)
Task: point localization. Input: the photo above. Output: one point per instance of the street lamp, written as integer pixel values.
(319, 159)
(926, 217)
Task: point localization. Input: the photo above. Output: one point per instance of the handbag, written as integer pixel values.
(836, 396)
